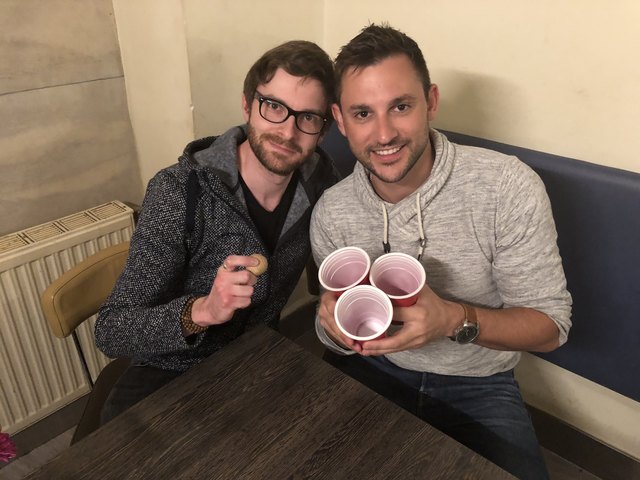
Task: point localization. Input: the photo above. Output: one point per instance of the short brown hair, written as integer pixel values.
(299, 58)
(374, 44)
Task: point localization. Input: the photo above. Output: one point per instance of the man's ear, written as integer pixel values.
(246, 109)
(337, 115)
(433, 102)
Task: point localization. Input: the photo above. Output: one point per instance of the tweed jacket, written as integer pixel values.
(168, 265)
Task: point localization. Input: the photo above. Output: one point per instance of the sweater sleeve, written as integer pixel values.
(141, 317)
(322, 245)
(527, 266)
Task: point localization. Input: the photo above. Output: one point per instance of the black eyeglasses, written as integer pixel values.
(277, 112)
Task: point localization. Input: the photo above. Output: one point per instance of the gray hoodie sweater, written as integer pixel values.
(167, 266)
(490, 241)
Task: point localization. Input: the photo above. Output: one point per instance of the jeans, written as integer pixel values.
(486, 414)
(137, 382)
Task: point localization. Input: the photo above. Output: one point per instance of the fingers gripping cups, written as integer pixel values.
(343, 269)
(363, 313)
(400, 276)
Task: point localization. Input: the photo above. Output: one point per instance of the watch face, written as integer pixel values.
(467, 333)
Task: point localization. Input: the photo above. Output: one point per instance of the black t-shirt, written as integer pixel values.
(269, 224)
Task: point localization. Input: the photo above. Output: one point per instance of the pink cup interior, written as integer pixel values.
(398, 275)
(363, 313)
(344, 268)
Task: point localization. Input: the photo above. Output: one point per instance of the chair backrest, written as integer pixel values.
(78, 293)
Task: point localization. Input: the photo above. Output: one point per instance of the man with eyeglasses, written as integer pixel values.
(187, 289)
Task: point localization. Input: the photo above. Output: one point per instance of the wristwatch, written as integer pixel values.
(470, 329)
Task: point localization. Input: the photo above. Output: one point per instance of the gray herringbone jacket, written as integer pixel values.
(167, 266)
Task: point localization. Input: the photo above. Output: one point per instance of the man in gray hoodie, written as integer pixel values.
(187, 289)
(481, 225)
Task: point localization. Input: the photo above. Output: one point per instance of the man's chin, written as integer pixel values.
(282, 172)
(279, 167)
(387, 177)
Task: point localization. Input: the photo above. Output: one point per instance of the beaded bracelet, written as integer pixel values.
(187, 323)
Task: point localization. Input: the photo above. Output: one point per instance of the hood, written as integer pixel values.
(220, 154)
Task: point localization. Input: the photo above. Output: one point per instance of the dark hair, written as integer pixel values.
(298, 58)
(374, 44)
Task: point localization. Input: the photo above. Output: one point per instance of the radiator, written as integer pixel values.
(40, 373)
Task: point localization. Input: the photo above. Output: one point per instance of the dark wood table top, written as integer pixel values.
(265, 408)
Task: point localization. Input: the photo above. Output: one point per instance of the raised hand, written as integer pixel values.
(231, 290)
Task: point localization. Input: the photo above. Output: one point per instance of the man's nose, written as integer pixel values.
(288, 128)
(386, 130)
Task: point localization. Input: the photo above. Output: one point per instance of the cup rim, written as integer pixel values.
(423, 274)
(385, 299)
(360, 279)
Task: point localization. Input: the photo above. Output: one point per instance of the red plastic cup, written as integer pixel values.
(343, 269)
(363, 313)
(400, 276)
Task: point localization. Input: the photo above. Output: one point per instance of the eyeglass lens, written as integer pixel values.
(275, 112)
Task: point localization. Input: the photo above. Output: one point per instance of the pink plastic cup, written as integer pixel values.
(400, 276)
(343, 269)
(363, 313)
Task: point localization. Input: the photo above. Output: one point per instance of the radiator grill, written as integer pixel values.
(40, 373)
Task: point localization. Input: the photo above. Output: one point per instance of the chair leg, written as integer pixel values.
(90, 419)
(83, 360)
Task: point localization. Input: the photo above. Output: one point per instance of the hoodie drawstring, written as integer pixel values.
(386, 246)
(423, 240)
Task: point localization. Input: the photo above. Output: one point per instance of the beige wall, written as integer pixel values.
(185, 62)
(555, 76)
(225, 38)
(154, 56)
(66, 142)
(542, 75)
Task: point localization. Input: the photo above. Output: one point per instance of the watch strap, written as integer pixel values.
(470, 314)
(470, 322)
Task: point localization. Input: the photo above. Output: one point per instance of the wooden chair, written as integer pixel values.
(73, 298)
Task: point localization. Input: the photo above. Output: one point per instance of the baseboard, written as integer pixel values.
(581, 449)
(49, 427)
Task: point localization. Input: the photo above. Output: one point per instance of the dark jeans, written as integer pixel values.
(137, 382)
(487, 414)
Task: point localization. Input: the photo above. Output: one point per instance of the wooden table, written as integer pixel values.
(265, 408)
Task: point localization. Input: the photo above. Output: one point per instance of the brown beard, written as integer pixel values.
(275, 162)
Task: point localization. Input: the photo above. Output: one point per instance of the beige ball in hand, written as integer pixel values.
(261, 267)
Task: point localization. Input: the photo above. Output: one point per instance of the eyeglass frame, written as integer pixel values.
(290, 112)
